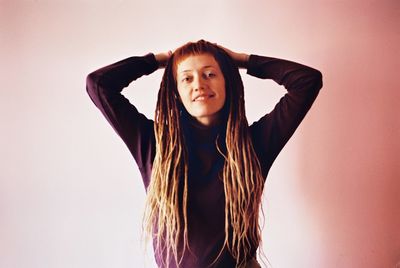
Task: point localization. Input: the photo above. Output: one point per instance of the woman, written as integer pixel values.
(203, 167)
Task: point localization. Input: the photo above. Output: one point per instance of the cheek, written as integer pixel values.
(223, 91)
(183, 95)
(180, 92)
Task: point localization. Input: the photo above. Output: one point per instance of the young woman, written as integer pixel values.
(202, 166)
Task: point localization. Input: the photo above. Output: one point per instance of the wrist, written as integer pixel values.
(159, 59)
(162, 58)
(243, 60)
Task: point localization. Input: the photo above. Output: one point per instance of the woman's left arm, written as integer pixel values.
(302, 83)
(272, 131)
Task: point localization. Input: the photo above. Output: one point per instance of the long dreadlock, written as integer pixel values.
(166, 208)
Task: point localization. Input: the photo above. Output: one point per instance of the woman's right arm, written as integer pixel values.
(104, 87)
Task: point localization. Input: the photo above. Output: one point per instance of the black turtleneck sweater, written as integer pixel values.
(206, 209)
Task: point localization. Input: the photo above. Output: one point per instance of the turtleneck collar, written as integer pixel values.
(199, 132)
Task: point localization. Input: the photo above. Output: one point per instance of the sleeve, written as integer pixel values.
(272, 131)
(104, 87)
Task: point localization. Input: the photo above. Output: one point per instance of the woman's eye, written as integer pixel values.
(210, 74)
(186, 79)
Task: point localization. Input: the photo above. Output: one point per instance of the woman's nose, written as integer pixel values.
(198, 83)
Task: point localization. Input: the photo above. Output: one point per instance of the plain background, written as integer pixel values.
(70, 192)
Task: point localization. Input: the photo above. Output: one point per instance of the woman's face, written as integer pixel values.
(201, 87)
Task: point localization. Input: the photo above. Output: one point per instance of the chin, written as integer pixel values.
(210, 114)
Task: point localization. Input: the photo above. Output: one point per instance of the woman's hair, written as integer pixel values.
(166, 209)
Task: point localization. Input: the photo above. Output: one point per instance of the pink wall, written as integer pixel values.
(70, 193)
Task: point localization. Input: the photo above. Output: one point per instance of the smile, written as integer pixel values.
(203, 97)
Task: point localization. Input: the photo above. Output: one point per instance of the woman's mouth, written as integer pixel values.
(203, 97)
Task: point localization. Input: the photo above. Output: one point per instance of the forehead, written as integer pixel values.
(196, 62)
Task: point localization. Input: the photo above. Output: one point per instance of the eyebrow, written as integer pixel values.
(204, 67)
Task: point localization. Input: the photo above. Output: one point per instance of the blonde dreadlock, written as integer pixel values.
(166, 208)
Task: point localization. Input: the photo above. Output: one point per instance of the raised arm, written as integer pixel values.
(303, 83)
(104, 87)
(273, 130)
